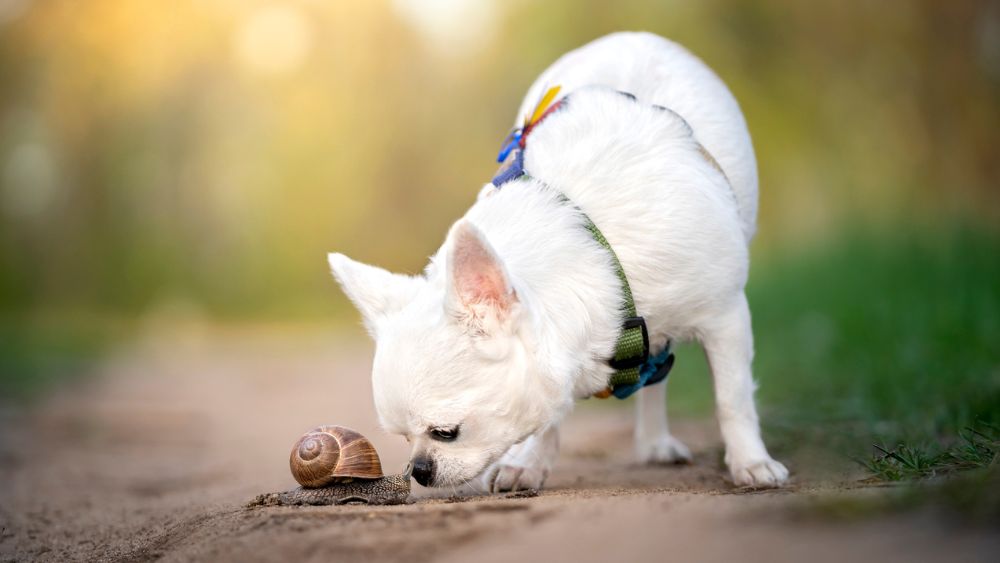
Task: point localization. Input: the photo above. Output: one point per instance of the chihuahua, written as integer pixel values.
(479, 359)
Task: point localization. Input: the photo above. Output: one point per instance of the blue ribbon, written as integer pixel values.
(652, 372)
(510, 143)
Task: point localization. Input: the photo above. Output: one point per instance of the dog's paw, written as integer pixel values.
(664, 450)
(761, 474)
(510, 478)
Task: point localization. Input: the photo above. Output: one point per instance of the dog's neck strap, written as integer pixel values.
(633, 365)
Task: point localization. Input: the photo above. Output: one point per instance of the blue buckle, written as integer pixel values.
(511, 171)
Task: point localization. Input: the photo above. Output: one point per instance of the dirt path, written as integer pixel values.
(154, 457)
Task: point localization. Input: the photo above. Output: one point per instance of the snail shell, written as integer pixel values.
(331, 454)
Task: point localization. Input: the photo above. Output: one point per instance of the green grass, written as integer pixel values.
(885, 337)
(975, 450)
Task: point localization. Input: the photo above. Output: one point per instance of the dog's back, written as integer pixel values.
(660, 72)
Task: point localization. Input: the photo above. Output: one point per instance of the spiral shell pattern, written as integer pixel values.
(329, 454)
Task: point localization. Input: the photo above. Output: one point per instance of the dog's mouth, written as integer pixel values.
(470, 479)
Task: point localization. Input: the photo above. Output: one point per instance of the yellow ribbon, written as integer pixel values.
(550, 95)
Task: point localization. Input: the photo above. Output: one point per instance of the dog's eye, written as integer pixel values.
(444, 434)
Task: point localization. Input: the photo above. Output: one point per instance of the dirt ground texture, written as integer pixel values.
(155, 454)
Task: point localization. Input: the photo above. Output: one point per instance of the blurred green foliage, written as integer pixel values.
(214, 151)
(205, 155)
(883, 338)
(893, 331)
(36, 354)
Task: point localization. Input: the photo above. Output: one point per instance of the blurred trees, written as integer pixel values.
(212, 152)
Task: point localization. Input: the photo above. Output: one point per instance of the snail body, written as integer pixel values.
(337, 465)
(390, 489)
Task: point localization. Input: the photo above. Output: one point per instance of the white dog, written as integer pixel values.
(517, 315)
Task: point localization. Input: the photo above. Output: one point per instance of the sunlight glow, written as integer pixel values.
(274, 39)
(453, 26)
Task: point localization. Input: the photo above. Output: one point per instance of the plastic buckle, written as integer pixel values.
(628, 363)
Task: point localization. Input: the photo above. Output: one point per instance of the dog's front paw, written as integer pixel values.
(761, 474)
(663, 450)
(513, 478)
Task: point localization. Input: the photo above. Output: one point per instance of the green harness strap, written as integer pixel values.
(632, 348)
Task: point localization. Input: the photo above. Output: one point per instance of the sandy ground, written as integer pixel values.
(154, 456)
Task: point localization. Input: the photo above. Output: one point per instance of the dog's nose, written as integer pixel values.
(423, 470)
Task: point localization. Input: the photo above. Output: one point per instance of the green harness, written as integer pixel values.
(632, 363)
(632, 348)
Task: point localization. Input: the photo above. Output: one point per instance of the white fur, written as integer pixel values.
(518, 311)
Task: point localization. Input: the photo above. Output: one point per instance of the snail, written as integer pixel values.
(337, 465)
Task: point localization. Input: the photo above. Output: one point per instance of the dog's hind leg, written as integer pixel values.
(526, 465)
(653, 441)
(728, 344)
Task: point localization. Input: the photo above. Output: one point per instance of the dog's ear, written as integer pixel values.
(374, 291)
(479, 290)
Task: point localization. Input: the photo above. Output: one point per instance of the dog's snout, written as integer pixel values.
(423, 470)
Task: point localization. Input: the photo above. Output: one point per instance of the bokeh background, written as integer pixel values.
(186, 165)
